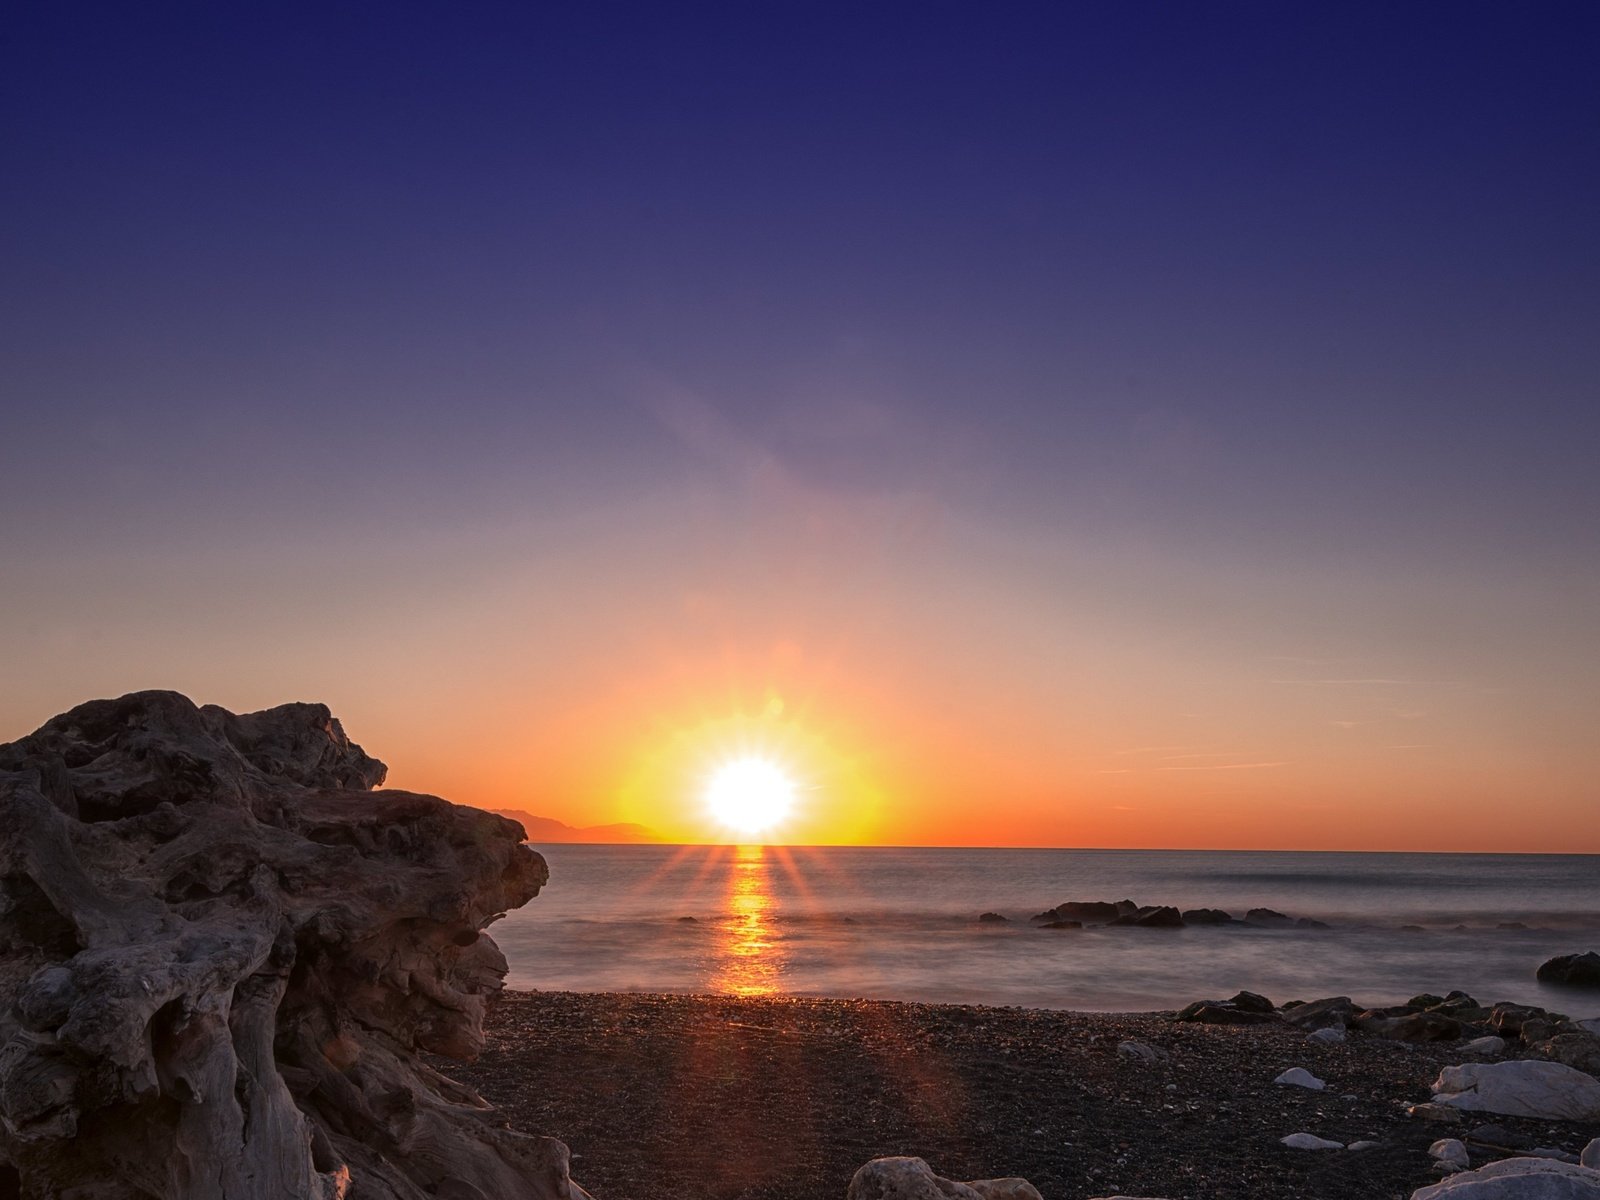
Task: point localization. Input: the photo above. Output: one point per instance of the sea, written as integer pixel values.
(902, 924)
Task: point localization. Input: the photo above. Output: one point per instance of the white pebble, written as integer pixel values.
(1309, 1141)
(1300, 1077)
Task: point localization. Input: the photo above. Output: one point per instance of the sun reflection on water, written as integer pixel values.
(750, 956)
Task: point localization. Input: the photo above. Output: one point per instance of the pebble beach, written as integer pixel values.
(664, 1097)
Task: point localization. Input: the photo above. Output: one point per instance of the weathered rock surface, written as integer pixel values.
(913, 1179)
(1300, 1077)
(221, 952)
(1573, 970)
(1334, 1011)
(1517, 1179)
(1521, 1088)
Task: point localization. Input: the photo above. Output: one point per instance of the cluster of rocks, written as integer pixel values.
(223, 956)
(1457, 1017)
(1075, 914)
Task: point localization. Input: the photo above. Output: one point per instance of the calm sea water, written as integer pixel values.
(895, 923)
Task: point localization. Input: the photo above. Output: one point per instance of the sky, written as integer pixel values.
(1028, 424)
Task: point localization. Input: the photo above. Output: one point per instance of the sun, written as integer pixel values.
(750, 795)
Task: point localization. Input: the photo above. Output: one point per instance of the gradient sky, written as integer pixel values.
(1121, 425)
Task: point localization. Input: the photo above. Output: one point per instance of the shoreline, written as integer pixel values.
(662, 1096)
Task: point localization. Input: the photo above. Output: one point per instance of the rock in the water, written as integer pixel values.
(1300, 1077)
(1484, 1045)
(993, 918)
(913, 1179)
(1572, 970)
(1153, 916)
(1333, 1011)
(1450, 1150)
(1521, 1088)
(222, 955)
(1062, 925)
(1309, 1141)
(1331, 1036)
(1268, 917)
(1097, 912)
(1206, 916)
(1517, 1179)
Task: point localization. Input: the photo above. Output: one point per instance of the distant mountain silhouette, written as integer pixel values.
(548, 829)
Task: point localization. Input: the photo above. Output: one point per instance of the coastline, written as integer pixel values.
(782, 1098)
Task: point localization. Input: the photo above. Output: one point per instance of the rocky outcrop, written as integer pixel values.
(913, 1179)
(221, 954)
(1571, 970)
(1523, 1088)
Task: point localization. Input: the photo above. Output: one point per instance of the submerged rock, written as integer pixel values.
(224, 954)
(913, 1179)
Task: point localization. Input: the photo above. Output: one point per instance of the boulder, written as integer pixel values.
(1222, 1012)
(1320, 1014)
(913, 1179)
(1571, 970)
(1507, 1019)
(1252, 1002)
(1574, 1048)
(1517, 1179)
(1520, 1088)
(223, 955)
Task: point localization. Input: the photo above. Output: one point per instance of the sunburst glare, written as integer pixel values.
(749, 795)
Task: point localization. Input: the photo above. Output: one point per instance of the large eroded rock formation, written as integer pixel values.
(221, 953)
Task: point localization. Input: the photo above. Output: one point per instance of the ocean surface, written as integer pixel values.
(901, 924)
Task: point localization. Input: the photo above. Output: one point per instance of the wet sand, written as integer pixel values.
(714, 1097)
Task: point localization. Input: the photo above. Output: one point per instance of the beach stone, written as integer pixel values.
(1252, 1002)
(1331, 1036)
(1591, 1155)
(1484, 1045)
(1522, 1088)
(1517, 1179)
(1363, 1145)
(913, 1179)
(1337, 1011)
(225, 954)
(1222, 1012)
(1450, 1150)
(1413, 1027)
(1140, 1051)
(1309, 1141)
(1507, 1018)
(1300, 1077)
(1571, 970)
